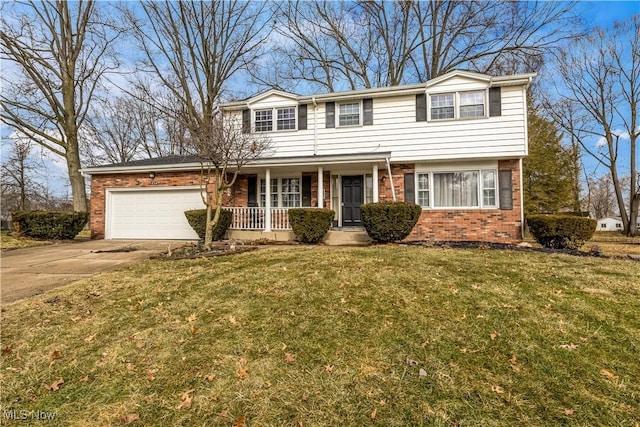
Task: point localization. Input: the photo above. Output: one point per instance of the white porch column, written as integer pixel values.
(374, 176)
(320, 187)
(267, 200)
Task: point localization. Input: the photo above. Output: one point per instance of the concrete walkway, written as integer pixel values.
(31, 271)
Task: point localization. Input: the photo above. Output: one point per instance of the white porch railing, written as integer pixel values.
(245, 218)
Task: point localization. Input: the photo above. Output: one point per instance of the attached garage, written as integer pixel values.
(156, 213)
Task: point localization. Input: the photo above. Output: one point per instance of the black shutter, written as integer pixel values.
(252, 191)
(506, 190)
(246, 121)
(306, 191)
(302, 116)
(330, 121)
(421, 107)
(367, 109)
(495, 102)
(409, 188)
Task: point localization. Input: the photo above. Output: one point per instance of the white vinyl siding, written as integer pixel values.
(396, 130)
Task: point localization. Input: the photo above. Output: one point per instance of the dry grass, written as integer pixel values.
(8, 241)
(317, 336)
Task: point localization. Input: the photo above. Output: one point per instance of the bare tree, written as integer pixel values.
(59, 52)
(364, 44)
(602, 200)
(222, 157)
(192, 49)
(598, 107)
(124, 128)
(20, 188)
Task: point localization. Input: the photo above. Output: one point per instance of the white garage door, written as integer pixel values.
(151, 214)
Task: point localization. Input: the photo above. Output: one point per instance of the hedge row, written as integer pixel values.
(198, 221)
(561, 231)
(49, 225)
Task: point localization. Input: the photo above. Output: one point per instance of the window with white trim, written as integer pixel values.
(349, 114)
(264, 120)
(457, 105)
(457, 189)
(285, 192)
(284, 118)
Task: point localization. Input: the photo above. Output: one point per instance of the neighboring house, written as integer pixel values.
(453, 145)
(611, 224)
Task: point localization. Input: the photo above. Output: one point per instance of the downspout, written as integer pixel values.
(393, 190)
(315, 126)
(522, 225)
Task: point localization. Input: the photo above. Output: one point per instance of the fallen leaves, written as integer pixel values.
(328, 368)
(374, 413)
(55, 386)
(497, 389)
(422, 373)
(151, 374)
(514, 364)
(289, 358)
(608, 373)
(129, 418)
(569, 411)
(186, 400)
(242, 372)
(494, 335)
(570, 346)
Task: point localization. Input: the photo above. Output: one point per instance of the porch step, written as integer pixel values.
(347, 238)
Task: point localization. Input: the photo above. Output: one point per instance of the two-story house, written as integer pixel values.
(454, 145)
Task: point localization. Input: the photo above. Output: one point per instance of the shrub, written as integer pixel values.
(49, 225)
(561, 231)
(198, 221)
(390, 221)
(310, 224)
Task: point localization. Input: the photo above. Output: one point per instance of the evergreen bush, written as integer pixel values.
(561, 231)
(390, 221)
(197, 219)
(49, 225)
(309, 225)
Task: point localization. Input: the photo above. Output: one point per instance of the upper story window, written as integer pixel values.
(264, 120)
(285, 119)
(457, 105)
(349, 114)
(442, 106)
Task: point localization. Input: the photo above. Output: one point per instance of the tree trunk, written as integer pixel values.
(76, 180)
(212, 222)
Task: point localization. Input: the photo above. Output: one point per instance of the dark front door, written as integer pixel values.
(352, 198)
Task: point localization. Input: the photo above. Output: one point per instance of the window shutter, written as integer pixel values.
(409, 188)
(421, 107)
(302, 117)
(306, 191)
(495, 102)
(367, 111)
(330, 121)
(246, 121)
(506, 189)
(252, 191)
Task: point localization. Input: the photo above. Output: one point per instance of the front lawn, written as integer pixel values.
(316, 336)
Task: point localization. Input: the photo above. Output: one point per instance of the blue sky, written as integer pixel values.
(595, 13)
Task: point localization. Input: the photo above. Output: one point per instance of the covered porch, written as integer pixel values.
(265, 192)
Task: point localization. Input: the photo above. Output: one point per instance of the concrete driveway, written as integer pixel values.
(31, 271)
